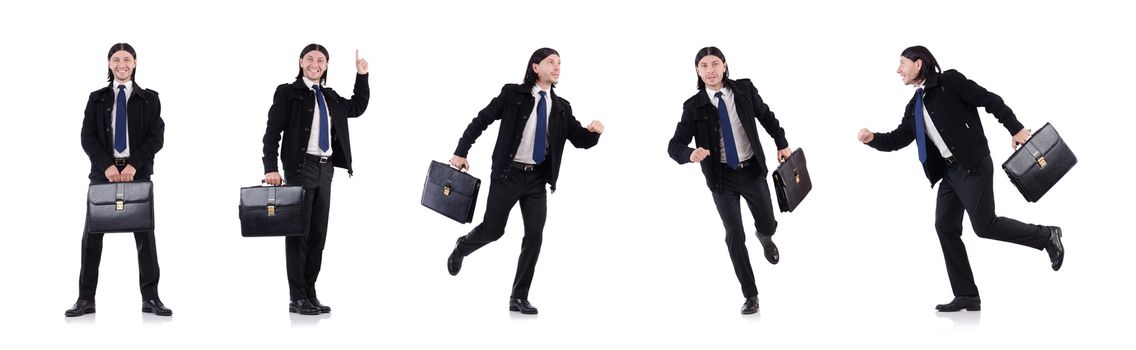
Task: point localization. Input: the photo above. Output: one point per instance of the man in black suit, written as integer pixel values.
(313, 120)
(942, 119)
(535, 123)
(122, 131)
(720, 118)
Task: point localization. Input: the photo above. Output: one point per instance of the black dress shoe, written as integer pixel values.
(81, 307)
(303, 307)
(454, 263)
(522, 305)
(154, 306)
(1055, 249)
(323, 308)
(750, 307)
(771, 252)
(961, 303)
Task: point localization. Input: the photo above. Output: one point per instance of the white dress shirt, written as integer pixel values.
(314, 138)
(745, 150)
(114, 120)
(525, 150)
(932, 131)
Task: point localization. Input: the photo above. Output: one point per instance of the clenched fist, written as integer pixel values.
(699, 154)
(866, 135)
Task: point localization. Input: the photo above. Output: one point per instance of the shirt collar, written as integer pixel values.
(725, 92)
(129, 85)
(536, 91)
(309, 83)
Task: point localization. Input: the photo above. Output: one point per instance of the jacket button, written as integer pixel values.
(307, 129)
(309, 109)
(303, 148)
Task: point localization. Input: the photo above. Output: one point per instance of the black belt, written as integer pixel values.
(742, 165)
(120, 161)
(950, 161)
(522, 166)
(320, 159)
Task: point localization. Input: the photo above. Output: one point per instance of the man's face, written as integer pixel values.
(548, 70)
(121, 64)
(909, 70)
(710, 70)
(313, 64)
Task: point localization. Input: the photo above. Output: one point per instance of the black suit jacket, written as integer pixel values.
(513, 107)
(700, 121)
(292, 109)
(144, 126)
(952, 101)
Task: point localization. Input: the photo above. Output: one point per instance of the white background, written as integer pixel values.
(633, 248)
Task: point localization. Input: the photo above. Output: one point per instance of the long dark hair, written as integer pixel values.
(537, 56)
(710, 51)
(918, 52)
(310, 48)
(122, 47)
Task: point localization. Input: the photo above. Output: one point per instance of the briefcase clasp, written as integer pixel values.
(1041, 161)
(119, 204)
(271, 210)
(449, 187)
(796, 176)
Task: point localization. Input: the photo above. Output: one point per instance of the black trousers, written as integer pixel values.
(304, 254)
(527, 188)
(973, 192)
(748, 183)
(148, 272)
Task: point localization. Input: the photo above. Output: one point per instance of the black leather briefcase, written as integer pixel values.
(791, 181)
(268, 211)
(450, 192)
(120, 207)
(1037, 165)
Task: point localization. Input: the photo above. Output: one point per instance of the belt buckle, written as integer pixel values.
(323, 160)
(120, 161)
(529, 167)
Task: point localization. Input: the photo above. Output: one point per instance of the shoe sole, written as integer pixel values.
(516, 309)
(976, 308)
(91, 311)
(306, 313)
(1062, 260)
(151, 311)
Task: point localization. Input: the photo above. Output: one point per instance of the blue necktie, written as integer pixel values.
(120, 120)
(920, 130)
(324, 144)
(727, 133)
(541, 130)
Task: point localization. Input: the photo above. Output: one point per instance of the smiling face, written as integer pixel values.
(121, 65)
(313, 65)
(909, 70)
(548, 70)
(711, 69)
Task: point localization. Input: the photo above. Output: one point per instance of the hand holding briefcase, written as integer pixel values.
(791, 181)
(1039, 163)
(450, 192)
(268, 211)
